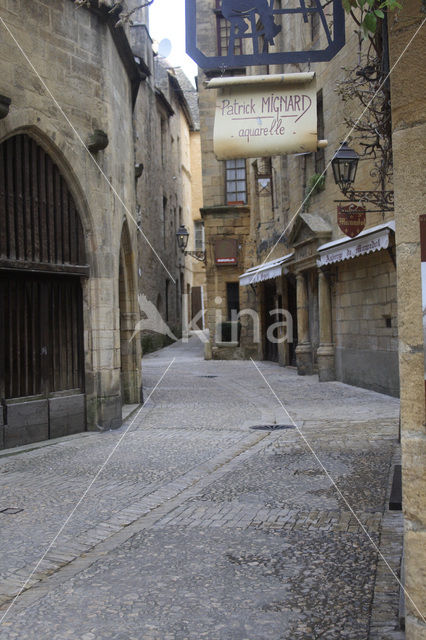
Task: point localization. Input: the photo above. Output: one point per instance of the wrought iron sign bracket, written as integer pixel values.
(257, 23)
(384, 200)
(198, 255)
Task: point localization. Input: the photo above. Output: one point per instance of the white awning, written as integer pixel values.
(369, 240)
(265, 271)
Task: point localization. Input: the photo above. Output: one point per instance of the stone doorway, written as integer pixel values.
(42, 264)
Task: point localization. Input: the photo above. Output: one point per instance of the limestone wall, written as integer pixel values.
(156, 140)
(165, 142)
(408, 86)
(233, 222)
(365, 323)
(75, 55)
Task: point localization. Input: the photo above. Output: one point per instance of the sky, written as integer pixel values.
(167, 20)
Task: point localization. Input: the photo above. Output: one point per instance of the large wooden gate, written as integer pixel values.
(42, 261)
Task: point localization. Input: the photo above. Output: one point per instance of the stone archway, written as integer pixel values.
(42, 265)
(130, 351)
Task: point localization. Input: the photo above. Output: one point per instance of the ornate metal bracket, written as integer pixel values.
(257, 23)
(198, 255)
(384, 200)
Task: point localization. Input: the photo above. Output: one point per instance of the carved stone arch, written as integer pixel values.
(130, 350)
(41, 224)
(43, 262)
(65, 167)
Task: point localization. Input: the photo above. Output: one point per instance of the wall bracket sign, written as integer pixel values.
(255, 32)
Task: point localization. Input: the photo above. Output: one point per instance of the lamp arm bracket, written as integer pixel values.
(384, 200)
(198, 255)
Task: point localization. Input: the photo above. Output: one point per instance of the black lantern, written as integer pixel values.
(345, 164)
(182, 236)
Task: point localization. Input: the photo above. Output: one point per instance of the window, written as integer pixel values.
(199, 235)
(163, 141)
(236, 184)
(233, 299)
(164, 220)
(167, 299)
(263, 175)
(320, 155)
(223, 28)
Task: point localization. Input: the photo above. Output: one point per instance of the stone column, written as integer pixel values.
(325, 353)
(304, 347)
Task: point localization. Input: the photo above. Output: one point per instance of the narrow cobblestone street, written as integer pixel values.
(200, 526)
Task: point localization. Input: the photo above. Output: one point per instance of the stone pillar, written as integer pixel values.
(325, 353)
(304, 347)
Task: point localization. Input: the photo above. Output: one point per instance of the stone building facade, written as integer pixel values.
(408, 85)
(167, 146)
(343, 309)
(80, 112)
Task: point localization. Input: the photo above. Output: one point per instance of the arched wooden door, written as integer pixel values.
(42, 261)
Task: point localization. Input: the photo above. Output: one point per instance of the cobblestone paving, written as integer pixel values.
(203, 528)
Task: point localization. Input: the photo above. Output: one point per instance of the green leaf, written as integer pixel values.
(370, 22)
(379, 13)
(390, 4)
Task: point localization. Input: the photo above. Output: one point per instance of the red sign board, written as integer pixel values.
(226, 251)
(351, 219)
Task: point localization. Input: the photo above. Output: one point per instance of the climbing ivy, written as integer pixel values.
(370, 12)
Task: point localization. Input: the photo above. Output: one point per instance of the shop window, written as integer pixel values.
(236, 181)
(233, 299)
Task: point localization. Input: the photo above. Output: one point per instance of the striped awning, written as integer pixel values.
(369, 240)
(265, 271)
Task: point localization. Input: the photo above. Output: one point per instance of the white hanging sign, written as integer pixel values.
(259, 116)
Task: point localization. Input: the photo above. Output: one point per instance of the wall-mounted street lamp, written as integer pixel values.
(345, 164)
(182, 237)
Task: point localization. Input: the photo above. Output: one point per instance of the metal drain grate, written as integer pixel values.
(11, 510)
(272, 427)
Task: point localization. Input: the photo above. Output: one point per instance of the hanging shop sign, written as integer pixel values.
(256, 32)
(351, 219)
(259, 116)
(226, 251)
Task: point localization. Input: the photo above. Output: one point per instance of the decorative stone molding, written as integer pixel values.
(98, 141)
(5, 103)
